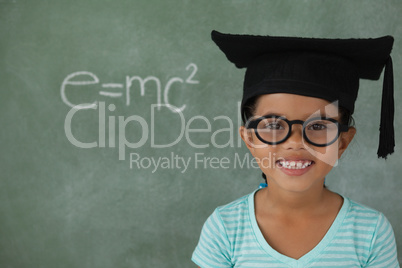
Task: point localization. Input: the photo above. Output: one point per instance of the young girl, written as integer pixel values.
(298, 97)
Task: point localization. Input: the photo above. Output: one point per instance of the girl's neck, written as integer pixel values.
(278, 201)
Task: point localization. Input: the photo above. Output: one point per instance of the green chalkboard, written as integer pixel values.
(128, 177)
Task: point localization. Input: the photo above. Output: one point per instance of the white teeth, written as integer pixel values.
(295, 164)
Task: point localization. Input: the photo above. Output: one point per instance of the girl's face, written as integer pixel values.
(295, 165)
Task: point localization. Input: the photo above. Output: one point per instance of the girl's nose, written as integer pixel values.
(295, 140)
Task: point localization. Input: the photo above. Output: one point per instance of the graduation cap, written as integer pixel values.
(316, 67)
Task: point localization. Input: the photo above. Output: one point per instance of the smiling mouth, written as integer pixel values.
(294, 164)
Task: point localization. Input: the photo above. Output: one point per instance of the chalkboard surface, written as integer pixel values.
(128, 177)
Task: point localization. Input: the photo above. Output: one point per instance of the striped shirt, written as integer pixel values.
(358, 237)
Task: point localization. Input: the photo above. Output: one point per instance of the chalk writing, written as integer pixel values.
(88, 78)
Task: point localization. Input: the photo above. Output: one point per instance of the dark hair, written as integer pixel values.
(251, 105)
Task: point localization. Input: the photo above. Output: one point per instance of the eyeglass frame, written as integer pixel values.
(254, 123)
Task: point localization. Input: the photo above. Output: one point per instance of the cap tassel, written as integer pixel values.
(387, 139)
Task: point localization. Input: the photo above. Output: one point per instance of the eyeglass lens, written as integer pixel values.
(320, 131)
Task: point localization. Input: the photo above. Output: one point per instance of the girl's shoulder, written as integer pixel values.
(239, 205)
(364, 216)
(234, 213)
(361, 209)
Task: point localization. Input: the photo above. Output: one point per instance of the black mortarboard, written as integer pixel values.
(325, 68)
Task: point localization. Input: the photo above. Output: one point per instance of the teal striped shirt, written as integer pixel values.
(359, 237)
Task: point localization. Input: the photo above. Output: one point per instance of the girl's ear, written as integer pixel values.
(344, 140)
(247, 137)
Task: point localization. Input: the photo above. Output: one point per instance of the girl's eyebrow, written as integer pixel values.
(273, 114)
(305, 117)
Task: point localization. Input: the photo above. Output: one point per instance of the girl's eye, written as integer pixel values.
(273, 126)
(317, 126)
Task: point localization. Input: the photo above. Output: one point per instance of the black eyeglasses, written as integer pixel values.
(318, 131)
